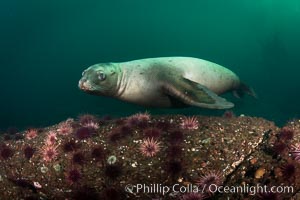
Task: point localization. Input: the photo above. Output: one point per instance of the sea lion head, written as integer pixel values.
(100, 79)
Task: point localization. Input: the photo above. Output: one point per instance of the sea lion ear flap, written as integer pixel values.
(194, 94)
(112, 72)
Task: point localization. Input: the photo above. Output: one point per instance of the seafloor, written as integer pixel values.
(152, 157)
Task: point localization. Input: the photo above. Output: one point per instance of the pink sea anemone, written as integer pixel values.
(65, 128)
(209, 179)
(51, 138)
(139, 119)
(87, 118)
(189, 123)
(92, 125)
(149, 147)
(142, 116)
(49, 152)
(296, 152)
(31, 133)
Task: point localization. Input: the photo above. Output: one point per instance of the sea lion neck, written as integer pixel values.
(121, 80)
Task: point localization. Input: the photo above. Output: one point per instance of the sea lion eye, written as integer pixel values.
(101, 76)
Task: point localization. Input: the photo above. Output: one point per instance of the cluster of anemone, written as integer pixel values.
(189, 123)
(31, 133)
(88, 126)
(149, 147)
(49, 150)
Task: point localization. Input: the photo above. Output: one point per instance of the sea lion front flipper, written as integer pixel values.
(195, 94)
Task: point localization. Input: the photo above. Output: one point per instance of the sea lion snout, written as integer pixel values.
(84, 84)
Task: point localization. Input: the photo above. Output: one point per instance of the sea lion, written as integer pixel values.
(164, 82)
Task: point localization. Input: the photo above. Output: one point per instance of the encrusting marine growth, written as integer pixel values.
(99, 157)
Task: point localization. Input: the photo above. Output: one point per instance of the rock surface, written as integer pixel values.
(106, 159)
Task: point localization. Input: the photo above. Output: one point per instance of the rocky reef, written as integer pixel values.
(153, 157)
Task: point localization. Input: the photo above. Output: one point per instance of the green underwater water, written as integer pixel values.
(45, 46)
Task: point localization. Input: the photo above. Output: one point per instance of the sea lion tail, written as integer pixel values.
(244, 89)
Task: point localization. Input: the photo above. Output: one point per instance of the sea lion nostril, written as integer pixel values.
(81, 84)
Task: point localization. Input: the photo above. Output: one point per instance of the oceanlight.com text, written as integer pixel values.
(177, 188)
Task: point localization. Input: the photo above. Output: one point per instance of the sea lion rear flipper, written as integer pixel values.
(195, 94)
(244, 89)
